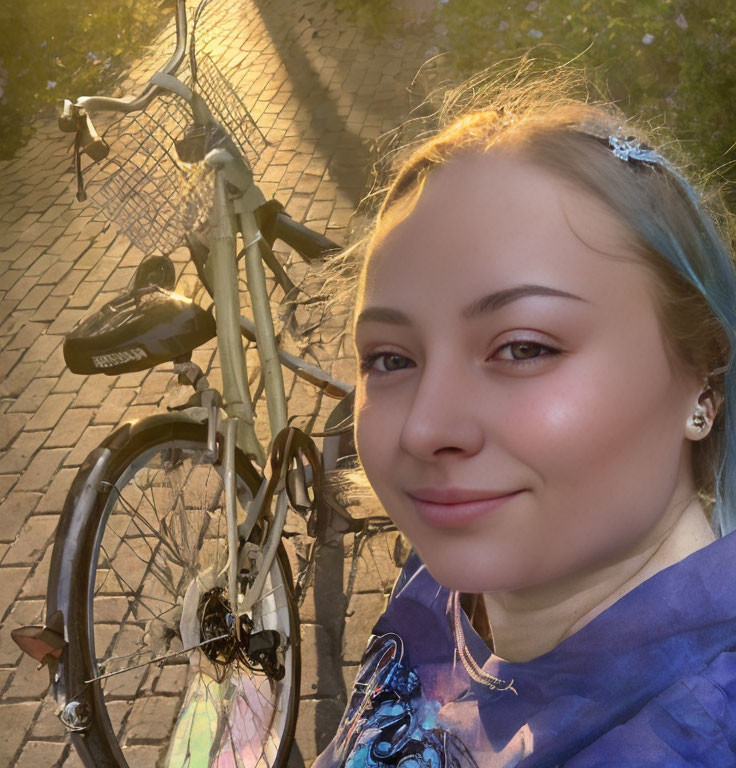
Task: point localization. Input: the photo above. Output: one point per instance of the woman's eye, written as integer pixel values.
(383, 362)
(524, 350)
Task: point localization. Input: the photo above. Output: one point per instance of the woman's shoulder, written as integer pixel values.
(417, 609)
(692, 722)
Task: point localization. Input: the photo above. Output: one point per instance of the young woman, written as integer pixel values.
(545, 407)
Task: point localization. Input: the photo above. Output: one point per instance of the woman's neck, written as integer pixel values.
(529, 622)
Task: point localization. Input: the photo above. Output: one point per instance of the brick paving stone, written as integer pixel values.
(16, 718)
(53, 499)
(32, 540)
(376, 563)
(103, 268)
(11, 581)
(69, 284)
(119, 279)
(114, 406)
(14, 511)
(35, 297)
(27, 334)
(55, 365)
(53, 213)
(33, 261)
(93, 390)
(6, 485)
(42, 348)
(320, 210)
(20, 288)
(50, 411)
(363, 610)
(41, 753)
(133, 379)
(153, 388)
(28, 682)
(91, 438)
(316, 725)
(35, 586)
(6, 307)
(68, 382)
(66, 320)
(55, 273)
(70, 428)
(84, 295)
(47, 726)
(41, 469)
(22, 451)
(91, 261)
(11, 281)
(50, 236)
(50, 308)
(317, 655)
(5, 675)
(15, 251)
(9, 359)
(10, 425)
(33, 392)
(151, 718)
(67, 244)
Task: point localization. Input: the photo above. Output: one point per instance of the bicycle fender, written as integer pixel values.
(68, 542)
(66, 597)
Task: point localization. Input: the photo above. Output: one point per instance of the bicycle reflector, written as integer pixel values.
(44, 644)
(137, 330)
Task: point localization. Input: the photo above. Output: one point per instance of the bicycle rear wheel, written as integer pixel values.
(157, 585)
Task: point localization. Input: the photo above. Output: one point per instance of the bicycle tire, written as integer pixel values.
(149, 715)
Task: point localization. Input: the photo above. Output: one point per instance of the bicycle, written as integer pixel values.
(172, 630)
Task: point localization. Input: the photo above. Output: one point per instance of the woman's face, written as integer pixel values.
(517, 415)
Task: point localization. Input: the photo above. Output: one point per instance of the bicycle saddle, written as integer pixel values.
(139, 329)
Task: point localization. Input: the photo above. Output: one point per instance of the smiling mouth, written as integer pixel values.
(457, 514)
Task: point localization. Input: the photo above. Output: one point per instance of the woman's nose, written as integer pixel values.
(443, 417)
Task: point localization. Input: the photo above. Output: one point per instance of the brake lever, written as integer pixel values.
(92, 144)
(86, 139)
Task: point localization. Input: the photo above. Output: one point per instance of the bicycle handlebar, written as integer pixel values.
(109, 104)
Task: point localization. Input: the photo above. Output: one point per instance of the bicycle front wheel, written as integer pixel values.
(179, 686)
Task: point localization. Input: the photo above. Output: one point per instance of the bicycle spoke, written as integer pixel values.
(163, 551)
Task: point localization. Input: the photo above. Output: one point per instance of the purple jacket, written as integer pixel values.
(651, 681)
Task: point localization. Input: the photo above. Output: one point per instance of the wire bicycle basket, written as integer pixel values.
(144, 188)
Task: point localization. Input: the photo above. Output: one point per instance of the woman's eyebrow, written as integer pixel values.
(475, 309)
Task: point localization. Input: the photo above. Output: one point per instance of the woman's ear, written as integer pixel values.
(700, 421)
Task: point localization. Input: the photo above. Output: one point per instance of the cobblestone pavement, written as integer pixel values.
(321, 91)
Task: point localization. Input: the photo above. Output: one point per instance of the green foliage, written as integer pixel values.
(377, 17)
(54, 49)
(668, 61)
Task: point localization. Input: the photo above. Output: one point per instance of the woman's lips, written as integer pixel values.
(457, 514)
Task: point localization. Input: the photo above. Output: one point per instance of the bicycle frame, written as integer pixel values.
(232, 213)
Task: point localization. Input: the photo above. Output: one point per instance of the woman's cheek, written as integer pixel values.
(374, 434)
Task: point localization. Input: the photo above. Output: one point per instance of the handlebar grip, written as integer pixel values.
(67, 117)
